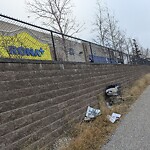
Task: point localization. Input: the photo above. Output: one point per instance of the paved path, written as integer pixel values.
(134, 131)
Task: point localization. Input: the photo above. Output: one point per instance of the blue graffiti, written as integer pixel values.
(25, 51)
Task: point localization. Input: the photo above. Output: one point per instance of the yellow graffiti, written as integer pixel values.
(26, 41)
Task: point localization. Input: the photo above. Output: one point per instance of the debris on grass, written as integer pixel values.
(113, 94)
(93, 135)
(91, 113)
(114, 117)
(112, 90)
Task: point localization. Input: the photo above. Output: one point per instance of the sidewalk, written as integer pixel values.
(133, 132)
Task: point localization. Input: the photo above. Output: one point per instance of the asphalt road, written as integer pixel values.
(133, 132)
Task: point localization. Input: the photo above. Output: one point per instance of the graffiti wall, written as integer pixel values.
(21, 42)
(23, 45)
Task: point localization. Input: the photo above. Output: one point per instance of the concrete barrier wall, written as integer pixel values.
(38, 101)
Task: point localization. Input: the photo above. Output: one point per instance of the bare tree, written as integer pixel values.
(100, 26)
(109, 34)
(129, 46)
(56, 14)
(114, 33)
(145, 53)
(106, 27)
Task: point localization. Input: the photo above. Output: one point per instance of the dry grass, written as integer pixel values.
(92, 135)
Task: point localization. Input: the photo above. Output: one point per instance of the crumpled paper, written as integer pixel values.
(91, 113)
(113, 117)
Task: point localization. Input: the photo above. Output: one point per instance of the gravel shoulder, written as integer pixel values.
(133, 132)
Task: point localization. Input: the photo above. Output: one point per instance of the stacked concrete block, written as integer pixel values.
(38, 102)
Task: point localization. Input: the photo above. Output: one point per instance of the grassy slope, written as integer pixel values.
(91, 136)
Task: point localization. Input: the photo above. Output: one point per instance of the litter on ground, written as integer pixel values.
(91, 113)
(114, 117)
(113, 94)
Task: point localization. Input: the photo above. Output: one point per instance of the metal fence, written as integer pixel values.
(22, 40)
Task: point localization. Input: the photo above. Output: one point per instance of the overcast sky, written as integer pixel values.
(133, 15)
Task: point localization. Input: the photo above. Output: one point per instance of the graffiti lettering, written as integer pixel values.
(25, 51)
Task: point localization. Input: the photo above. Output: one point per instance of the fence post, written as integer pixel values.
(109, 55)
(53, 42)
(91, 52)
(84, 50)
